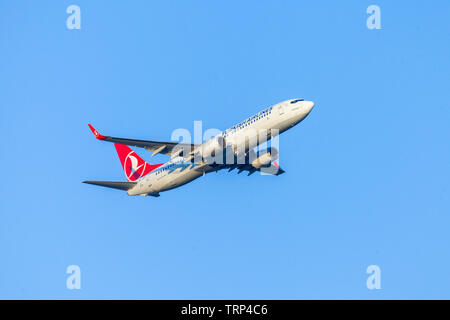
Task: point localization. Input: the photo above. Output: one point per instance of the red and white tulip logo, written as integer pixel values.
(133, 166)
(133, 170)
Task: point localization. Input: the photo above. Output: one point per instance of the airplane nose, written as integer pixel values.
(308, 105)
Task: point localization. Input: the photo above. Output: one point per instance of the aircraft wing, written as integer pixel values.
(273, 169)
(152, 146)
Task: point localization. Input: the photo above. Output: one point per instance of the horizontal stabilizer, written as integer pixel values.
(113, 184)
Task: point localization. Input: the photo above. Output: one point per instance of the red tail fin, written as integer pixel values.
(133, 165)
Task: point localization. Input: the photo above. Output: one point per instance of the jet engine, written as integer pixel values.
(212, 147)
(265, 159)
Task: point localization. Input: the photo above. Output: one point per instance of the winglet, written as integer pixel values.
(96, 133)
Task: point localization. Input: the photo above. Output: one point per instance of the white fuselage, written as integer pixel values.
(177, 171)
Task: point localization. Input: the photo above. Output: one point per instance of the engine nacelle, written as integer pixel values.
(265, 159)
(212, 146)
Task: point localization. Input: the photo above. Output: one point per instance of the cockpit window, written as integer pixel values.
(297, 100)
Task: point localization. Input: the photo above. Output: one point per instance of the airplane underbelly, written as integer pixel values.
(180, 178)
(287, 124)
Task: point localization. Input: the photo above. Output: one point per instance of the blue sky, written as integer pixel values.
(367, 173)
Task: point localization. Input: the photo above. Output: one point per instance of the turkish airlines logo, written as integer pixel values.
(131, 167)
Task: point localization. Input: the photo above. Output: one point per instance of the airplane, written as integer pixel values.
(230, 149)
